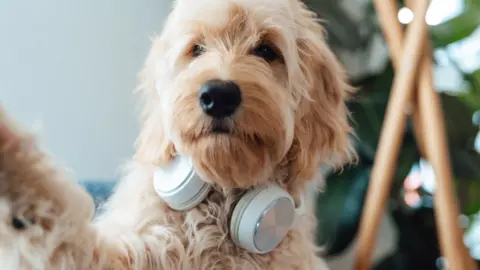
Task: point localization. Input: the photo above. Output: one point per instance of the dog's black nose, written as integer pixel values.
(219, 99)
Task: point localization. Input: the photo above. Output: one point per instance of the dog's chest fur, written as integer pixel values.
(199, 238)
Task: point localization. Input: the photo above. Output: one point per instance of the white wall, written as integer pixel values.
(71, 65)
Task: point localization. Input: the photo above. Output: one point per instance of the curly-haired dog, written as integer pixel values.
(248, 91)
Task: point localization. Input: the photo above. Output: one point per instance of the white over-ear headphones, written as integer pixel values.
(260, 220)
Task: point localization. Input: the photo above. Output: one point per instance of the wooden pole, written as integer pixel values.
(446, 208)
(393, 33)
(432, 145)
(435, 146)
(392, 132)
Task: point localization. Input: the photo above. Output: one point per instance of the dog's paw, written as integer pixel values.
(23, 244)
(39, 207)
(26, 175)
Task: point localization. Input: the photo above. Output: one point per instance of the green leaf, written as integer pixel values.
(472, 97)
(475, 78)
(339, 209)
(468, 193)
(458, 121)
(457, 28)
(472, 199)
(472, 3)
(368, 109)
(465, 164)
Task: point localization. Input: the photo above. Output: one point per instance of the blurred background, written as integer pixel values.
(407, 238)
(67, 69)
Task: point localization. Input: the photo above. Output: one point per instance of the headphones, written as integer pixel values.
(260, 220)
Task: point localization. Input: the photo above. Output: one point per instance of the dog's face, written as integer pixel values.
(242, 86)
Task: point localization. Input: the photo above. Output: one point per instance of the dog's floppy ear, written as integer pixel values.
(152, 144)
(322, 130)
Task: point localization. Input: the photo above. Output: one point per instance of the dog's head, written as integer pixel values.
(242, 86)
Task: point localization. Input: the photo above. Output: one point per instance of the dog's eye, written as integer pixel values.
(266, 52)
(197, 50)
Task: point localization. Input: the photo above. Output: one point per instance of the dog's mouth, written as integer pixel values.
(220, 128)
(225, 133)
(228, 130)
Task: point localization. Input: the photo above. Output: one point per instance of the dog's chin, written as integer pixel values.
(229, 159)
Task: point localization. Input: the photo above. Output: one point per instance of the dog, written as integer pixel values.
(248, 92)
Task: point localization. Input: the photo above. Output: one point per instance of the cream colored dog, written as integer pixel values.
(275, 113)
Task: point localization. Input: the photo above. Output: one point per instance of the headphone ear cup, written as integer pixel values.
(179, 186)
(262, 218)
(237, 214)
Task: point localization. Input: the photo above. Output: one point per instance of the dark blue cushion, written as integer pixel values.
(99, 189)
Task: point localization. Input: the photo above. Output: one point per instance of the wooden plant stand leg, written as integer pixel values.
(392, 133)
(436, 150)
(446, 208)
(427, 117)
(393, 33)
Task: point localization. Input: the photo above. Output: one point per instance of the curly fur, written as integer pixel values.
(293, 118)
